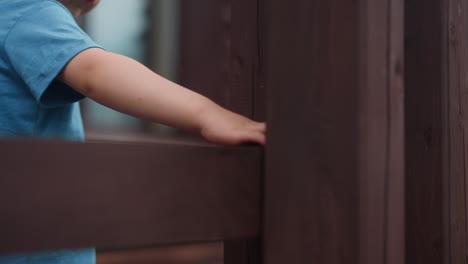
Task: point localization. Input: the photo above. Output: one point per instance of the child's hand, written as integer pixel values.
(221, 126)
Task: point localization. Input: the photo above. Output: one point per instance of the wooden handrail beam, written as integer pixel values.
(143, 195)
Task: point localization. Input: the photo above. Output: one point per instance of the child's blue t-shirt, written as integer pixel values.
(37, 39)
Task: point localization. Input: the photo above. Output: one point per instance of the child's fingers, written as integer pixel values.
(260, 127)
(263, 127)
(255, 137)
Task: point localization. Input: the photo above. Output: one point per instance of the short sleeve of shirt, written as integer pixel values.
(39, 46)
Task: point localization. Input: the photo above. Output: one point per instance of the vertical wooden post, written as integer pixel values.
(334, 173)
(395, 205)
(424, 66)
(381, 138)
(455, 159)
(436, 81)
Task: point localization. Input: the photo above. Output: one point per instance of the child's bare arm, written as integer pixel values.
(127, 86)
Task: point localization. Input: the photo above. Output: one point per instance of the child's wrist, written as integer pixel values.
(205, 114)
(201, 109)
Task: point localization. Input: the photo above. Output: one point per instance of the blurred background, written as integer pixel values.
(152, 32)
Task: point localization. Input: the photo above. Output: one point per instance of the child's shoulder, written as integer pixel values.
(26, 14)
(14, 11)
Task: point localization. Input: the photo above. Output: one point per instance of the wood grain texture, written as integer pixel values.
(205, 48)
(455, 26)
(334, 173)
(427, 134)
(437, 71)
(243, 57)
(71, 195)
(219, 51)
(395, 205)
(260, 92)
(381, 144)
(373, 132)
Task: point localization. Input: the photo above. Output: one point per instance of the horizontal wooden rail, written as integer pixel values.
(116, 195)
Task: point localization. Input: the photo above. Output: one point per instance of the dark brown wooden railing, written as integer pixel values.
(118, 195)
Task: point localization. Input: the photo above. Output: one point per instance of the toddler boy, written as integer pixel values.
(47, 64)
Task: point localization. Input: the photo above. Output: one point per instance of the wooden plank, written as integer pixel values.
(243, 57)
(219, 51)
(260, 93)
(455, 26)
(311, 199)
(381, 169)
(437, 54)
(68, 195)
(374, 130)
(425, 121)
(395, 205)
(204, 48)
(242, 251)
(335, 119)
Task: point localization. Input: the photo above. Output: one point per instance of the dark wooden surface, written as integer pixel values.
(381, 144)
(455, 105)
(395, 226)
(311, 182)
(243, 69)
(219, 51)
(219, 58)
(117, 195)
(424, 64)
(436, 101)
(334, 173)
(243, 251)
